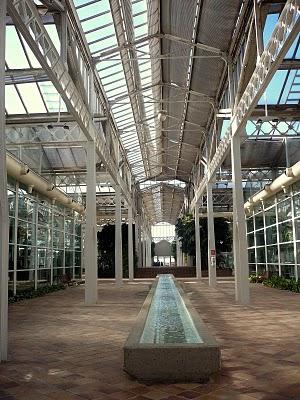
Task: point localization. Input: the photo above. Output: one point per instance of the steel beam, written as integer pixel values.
(284, 34)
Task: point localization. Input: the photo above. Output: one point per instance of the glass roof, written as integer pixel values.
(99, 27)
(29, 97)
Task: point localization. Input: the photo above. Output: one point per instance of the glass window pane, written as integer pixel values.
(250, 225)
(272, 254)
(13, 103)
(251, 255)
(284, 210)
(25, 257)
(271, 234)
(43, 236)
(260, 238)
(26, 208)
(261, 255)
(259, 221)
(297, 205)
(270, 216)
(32, 98)
(287, 253)
(25, 233)
(250, 238)
(285, 232)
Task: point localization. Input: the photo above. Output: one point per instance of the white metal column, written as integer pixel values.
(197, 243)
(212, 274)
(177, 252)
(240, 251)
(90, 245)
(130, 245)
(118, 238)
(149, 259)
(3, 196)
(136, 236)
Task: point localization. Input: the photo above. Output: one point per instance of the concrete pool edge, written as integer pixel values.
(176, 362)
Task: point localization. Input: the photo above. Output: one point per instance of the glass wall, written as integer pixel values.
(273, 231)
(44, 240)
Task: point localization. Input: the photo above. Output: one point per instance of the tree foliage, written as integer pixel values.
(185, 230)
(106, 251)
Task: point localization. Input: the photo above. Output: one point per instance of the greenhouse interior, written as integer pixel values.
(149, 199)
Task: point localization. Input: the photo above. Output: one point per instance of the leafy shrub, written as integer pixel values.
(283, 283)
(31, 293)
(256, 278)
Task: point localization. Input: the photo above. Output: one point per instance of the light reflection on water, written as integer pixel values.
(168, 319)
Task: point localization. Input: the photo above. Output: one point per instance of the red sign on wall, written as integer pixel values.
(212, 252)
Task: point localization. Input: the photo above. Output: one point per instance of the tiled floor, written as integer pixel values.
(62, 350)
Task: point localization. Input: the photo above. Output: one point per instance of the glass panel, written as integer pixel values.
(58, 239)
(252, 269)
(44, 276)
(58, 222)
(298, 252)
(25, 279)
(269, 202)
(13, 104)
(69, 258)
(58, 257)
(250, 238)
(297, 228)
(32, 98)
(296, 187)
(288, 271)
(11, 202)
(77, 258)
(25, 233)
(271, 234)
(261, 255)
(251, 255)
(25, 257)
(43, 237)
(296, 199)
(259, 221)
(44, 215)
(26, 208)
(11, 257)
(44, 258)
(285, 232)
(77, 244)
(69, 240)
(273, 269)
(250, 225)
(272, 254)
(11, 230)
(270, 216)
(77, 228)
(284, 210)
(287, 253)
(69, 225)
(260, 238)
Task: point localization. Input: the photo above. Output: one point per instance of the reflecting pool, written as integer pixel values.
(168, 320)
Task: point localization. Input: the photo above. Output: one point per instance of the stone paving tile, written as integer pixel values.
(62, 350)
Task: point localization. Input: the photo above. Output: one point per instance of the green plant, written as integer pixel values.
(106, 251)
(31, 293)
(256, 278)
(279, 282)
(185, 230)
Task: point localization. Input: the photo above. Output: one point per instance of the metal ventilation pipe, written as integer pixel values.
(291, 175)
(22, 173)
